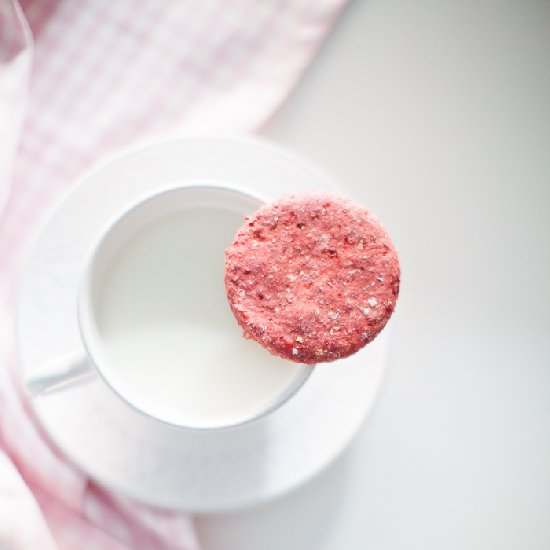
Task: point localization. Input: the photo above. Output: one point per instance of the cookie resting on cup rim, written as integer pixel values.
(312, 277)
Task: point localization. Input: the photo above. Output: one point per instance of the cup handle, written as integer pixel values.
(59, 373)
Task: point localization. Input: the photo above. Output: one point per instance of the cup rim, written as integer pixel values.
(89, 333)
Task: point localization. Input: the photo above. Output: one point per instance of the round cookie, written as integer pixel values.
(312, 277)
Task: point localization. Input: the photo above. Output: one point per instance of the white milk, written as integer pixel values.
(171, 344)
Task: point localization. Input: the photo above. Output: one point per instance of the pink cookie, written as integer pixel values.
(312, 277)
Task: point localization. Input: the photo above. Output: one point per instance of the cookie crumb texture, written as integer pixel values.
(312, 277)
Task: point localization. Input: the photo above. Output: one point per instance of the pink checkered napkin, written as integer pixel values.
(77, 80)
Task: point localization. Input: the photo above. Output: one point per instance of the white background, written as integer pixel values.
(436, 116)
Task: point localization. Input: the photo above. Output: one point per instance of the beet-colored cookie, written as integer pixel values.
(312, 277)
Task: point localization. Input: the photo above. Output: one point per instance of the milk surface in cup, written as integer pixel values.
(170, 344)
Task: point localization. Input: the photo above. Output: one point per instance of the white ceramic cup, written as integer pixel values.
(86, 363)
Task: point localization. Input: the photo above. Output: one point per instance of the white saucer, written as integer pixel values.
(121, 448)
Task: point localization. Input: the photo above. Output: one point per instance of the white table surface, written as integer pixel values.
(436, 115)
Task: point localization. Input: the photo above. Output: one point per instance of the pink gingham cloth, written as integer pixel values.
(78, 79)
